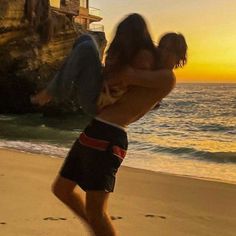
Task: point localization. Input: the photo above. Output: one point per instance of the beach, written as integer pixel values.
(144, 202)
(179, 175)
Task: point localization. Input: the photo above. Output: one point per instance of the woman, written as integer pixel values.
(131, 38)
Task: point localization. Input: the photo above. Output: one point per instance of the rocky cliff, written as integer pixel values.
(34, 40)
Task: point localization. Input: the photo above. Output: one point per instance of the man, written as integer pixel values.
(105, 141)
(97, 154)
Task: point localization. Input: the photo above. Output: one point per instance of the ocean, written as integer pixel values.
(192, 134)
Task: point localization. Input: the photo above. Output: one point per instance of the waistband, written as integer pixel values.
(110, 123)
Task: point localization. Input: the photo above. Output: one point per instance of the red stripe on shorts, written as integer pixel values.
(118, 151)
(101, 145)
(93, 142)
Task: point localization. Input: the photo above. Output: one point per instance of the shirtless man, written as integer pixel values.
(105, 140)
(147, 88)
(106, 133)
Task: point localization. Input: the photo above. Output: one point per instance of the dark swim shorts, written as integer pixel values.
(95, 157)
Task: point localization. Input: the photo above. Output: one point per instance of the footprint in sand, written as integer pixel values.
(152, 216)
(54, 218)
(116, 217)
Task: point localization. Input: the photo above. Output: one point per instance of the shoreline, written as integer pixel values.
(144, 202)
(125, 166)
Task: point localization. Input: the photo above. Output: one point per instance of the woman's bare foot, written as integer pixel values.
(41, 98)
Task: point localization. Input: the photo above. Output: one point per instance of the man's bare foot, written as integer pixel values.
(41, 98)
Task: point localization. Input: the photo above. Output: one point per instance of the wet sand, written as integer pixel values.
(144, 203)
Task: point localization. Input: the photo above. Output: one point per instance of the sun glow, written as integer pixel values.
(209, 27)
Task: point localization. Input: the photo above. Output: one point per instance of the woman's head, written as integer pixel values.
(173, 50)
(131, 36)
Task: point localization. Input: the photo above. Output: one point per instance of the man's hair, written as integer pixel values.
(176, 43)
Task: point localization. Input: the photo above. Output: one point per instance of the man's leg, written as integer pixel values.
(96, 210)
(64, 189)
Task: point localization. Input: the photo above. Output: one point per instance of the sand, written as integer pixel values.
(144, 203)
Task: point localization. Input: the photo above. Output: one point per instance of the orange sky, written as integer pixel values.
(208, 25)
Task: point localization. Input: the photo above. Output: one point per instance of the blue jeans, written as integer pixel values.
(80, 76)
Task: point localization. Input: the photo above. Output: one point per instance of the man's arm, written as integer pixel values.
(163, 79)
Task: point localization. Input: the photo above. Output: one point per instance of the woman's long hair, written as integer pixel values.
(131, 36)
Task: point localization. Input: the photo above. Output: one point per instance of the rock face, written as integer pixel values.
(34, 40)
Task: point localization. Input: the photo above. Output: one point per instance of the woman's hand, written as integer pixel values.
(122, 78)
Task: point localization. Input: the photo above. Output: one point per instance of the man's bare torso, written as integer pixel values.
(132, 106)
(137, 101)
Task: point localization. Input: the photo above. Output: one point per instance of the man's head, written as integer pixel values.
(173, 50)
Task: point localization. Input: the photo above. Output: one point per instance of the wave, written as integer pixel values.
(218, 157)
(217, 128)
(38, 148)
(178, 152)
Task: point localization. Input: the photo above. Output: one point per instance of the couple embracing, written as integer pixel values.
(136, 76)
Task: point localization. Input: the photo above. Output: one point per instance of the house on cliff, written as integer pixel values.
(83, 15)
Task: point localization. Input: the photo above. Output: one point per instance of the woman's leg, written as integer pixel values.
(96, 210)
(79, 78)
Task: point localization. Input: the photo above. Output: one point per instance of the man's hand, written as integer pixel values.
(161, 79)
(41, 99)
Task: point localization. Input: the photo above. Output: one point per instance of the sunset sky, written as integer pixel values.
(208, 25)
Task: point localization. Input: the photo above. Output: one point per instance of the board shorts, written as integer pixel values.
(96, 156)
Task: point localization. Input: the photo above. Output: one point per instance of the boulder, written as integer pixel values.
(34, 41)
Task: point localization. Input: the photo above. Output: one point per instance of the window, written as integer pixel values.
(63, 2)
(83, 3)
